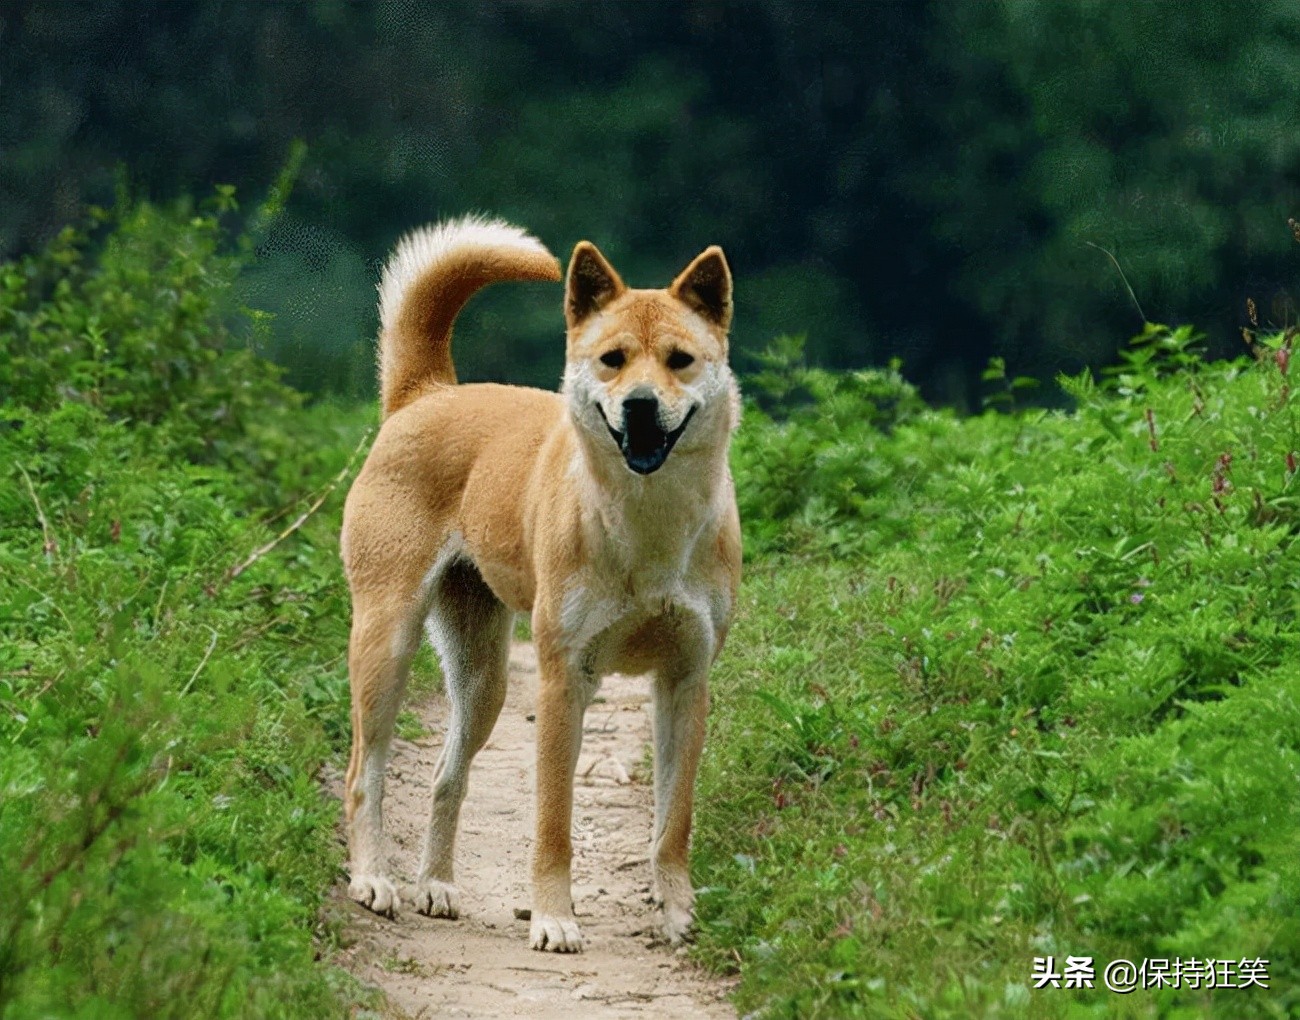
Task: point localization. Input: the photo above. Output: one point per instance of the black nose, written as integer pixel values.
(641, 410)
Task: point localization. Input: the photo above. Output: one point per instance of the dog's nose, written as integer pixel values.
(641, 409)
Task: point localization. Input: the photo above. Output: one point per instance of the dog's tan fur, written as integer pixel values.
(481, 501)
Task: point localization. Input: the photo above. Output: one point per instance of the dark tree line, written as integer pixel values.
(932, 181)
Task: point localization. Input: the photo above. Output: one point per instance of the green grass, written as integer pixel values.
(1008, 687)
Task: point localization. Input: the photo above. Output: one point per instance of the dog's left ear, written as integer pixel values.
(705, 286)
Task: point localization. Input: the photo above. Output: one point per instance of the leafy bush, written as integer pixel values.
(143, 330)
(1033, 689)
(810, 454)
(164, 841)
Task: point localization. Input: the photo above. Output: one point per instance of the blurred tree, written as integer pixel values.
(652, 128)
(1167, 134)
(894, 179)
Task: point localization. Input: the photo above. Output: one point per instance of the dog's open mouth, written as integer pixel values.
(644, 444)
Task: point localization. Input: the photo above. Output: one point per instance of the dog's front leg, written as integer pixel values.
(681, 705)
(561, 701)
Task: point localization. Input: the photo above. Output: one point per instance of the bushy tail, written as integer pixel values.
(432, 272)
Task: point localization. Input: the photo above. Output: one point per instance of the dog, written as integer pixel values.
(605, 511)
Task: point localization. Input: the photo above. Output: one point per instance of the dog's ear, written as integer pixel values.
(705, 287)
(591, 285)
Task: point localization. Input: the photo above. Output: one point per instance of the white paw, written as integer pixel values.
(555, 934)
(677, 923)
(437, 899)
(375, 892)
(671, 891)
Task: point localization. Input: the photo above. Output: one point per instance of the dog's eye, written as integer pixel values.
(613, 359)
(679, 360)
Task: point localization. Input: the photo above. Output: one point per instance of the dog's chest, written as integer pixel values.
(609, 631)
(645, 596)
(639, 609)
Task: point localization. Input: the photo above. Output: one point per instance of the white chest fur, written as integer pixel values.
(644, 567)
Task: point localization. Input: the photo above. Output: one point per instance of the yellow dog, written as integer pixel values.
(605, 511)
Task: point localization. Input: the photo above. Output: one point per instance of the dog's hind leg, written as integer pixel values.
(385, 634)
(470, 628)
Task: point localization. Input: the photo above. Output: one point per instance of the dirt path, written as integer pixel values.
(480, 965)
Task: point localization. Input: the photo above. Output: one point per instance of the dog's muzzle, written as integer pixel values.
(643, 442)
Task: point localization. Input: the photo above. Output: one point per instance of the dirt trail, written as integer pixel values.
(480, 965)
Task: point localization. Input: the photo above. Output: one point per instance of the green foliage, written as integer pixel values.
(142, 331)
(164, 840)
(1033, 690)
(1175, 162)
(142, 326)
(810, 452)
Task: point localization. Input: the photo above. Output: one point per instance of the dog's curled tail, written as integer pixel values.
(432, 272)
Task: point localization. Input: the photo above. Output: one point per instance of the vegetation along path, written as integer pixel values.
(480, 965)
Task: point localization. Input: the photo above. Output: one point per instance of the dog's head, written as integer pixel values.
(646, 370)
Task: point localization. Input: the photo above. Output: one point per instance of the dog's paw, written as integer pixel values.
(672, 893)
(678, 924)
(375, 892)
(437, 899)
(555, 934)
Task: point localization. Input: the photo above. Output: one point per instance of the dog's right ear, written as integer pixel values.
(591, 285)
